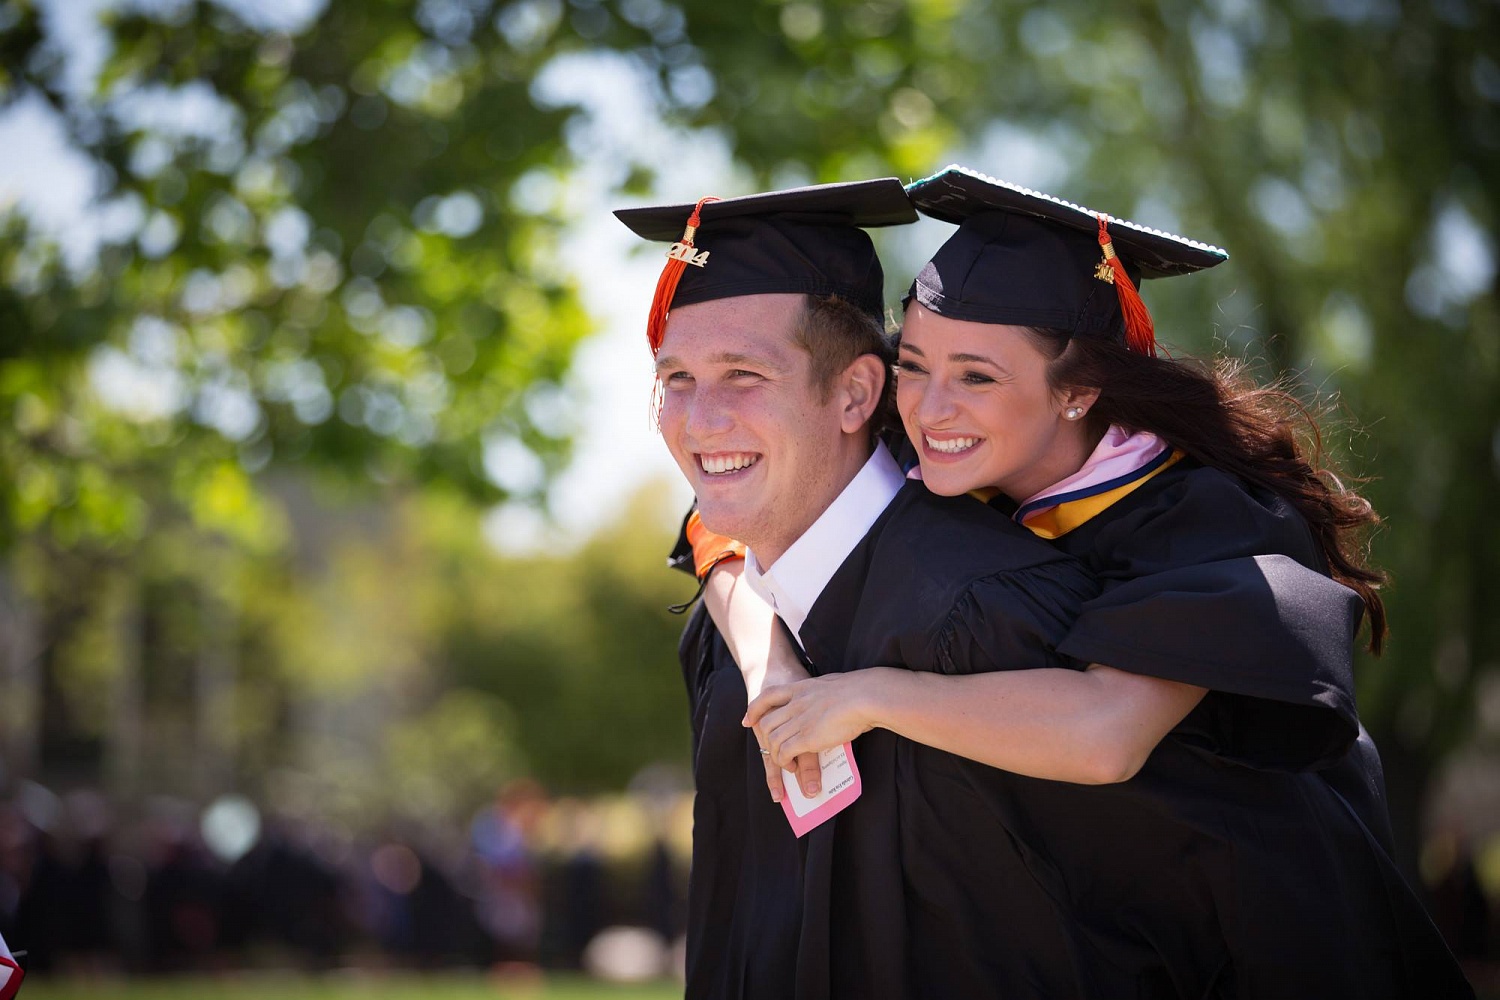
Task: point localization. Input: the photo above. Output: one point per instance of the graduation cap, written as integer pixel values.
(1026, 258)
(805, 239)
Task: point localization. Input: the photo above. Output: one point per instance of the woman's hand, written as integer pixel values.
(807, 717)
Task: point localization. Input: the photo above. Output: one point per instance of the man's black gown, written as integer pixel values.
(1229, 867)
(772, 917)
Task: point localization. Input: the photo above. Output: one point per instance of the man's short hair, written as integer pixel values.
(834, 331)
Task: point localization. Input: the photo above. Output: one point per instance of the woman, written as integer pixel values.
(1250, 853)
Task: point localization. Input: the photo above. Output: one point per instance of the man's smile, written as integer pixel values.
(724, 463)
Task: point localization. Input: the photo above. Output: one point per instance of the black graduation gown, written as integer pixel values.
(915, 890)
(1220, 870)
(1227, 868)
(1208, 581)
(837, 914)
(1262, 814)
(745, 885)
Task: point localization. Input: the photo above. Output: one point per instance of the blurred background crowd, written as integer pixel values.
(332, 599)
(532, 883)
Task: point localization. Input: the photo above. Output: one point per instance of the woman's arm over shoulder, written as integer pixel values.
(996, 690)
(986, 684)
(1093, 726)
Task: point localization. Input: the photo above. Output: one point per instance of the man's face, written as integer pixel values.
(744, 421)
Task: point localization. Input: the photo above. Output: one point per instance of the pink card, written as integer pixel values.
(10, 973)
(841, 786)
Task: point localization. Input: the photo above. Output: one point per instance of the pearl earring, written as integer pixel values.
(1073, 412)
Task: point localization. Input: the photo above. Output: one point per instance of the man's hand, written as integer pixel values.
(800, 720)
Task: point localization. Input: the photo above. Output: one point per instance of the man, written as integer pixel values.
(772, 363)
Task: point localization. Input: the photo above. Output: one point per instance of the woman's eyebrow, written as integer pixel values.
(913, 348)
(970, 358)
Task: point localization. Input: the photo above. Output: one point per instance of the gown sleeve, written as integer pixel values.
(1209, 585)
(1012, 621)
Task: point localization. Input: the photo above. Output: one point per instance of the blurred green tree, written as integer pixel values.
(428, 667)
(315, 254)
(320, 257)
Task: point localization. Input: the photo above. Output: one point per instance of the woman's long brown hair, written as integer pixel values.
(1219, 416)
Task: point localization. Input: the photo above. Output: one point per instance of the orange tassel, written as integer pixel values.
(666, 285)
(1140, 332)
(661, 302)
(658, 398)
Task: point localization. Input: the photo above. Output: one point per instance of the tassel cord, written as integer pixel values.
(1140, 332)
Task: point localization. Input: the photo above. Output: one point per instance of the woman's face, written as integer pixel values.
(976, 404)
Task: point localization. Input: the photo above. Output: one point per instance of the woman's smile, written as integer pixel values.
(950, 446)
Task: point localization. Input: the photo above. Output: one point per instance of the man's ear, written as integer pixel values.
(859, 391)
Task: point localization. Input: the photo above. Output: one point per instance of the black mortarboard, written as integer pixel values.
(1025, 258)
(804, 239)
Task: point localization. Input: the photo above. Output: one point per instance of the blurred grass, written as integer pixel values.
(405, 986)
(344, 987)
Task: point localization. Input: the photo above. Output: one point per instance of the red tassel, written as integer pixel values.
(661, 302)
(658, 398)
(1140, 332)
(666, 285)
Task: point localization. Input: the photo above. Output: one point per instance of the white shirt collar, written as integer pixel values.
(792, 584)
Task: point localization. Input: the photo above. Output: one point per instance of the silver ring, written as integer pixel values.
(764, 752)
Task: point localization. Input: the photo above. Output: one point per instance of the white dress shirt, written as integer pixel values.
(791, 584)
